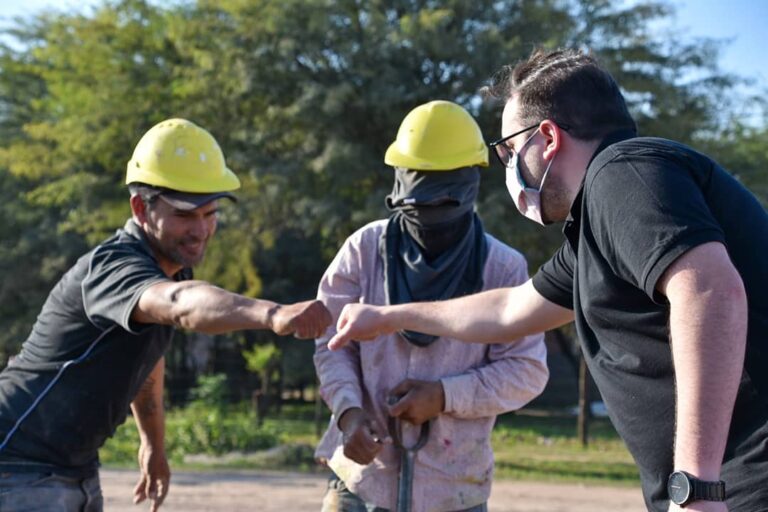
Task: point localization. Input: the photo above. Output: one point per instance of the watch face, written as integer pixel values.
(679, 488)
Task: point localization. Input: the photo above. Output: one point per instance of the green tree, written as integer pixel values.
(304, 97)
(740, 147)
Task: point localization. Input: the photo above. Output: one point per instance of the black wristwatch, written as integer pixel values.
(683, 489)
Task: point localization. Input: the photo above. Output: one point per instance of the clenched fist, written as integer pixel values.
(419, 400)
(359, 322)
(308, 319)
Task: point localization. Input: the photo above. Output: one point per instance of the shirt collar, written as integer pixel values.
(133, 229)
(612, 138)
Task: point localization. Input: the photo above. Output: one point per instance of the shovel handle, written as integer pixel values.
(395, 428)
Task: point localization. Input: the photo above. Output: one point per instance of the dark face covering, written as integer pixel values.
(434, 246)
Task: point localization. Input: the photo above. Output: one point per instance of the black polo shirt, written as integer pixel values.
(85, 327)
(644, 202)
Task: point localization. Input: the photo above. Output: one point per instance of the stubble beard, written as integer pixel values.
(171, 251)
(555, 207)
(175, 254)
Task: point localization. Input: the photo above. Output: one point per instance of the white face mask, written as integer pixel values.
(527, 200)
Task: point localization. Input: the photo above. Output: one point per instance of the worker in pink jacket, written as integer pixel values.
(432, 247)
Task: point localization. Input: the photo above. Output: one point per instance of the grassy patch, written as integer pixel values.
(539, 448)
(532, 448)
(196, 430)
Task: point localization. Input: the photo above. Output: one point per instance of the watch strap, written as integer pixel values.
(707, 491)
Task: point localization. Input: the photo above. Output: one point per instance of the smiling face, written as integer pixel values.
(177, 237)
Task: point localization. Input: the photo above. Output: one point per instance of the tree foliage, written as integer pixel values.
(304, 97)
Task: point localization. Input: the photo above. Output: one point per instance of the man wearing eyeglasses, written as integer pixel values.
(446, 392)
(662, 269)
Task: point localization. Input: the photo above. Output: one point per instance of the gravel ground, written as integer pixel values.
(263, 491)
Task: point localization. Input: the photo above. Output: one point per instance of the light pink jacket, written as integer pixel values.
(453, 471)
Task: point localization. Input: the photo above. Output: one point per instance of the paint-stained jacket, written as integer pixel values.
(454, 470)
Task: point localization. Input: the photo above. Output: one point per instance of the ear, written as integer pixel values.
(138, 209)
(554, 138)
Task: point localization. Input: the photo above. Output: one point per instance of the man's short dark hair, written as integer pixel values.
(147, 193)
(568, 87)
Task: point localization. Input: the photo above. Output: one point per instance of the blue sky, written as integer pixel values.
(742, 22)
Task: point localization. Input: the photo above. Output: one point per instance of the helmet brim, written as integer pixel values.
(186, 201)
(396, 158)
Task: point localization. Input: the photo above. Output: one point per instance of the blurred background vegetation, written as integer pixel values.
(208, 433)
(304, 96)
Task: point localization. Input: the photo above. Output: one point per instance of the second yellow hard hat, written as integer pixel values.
(438, 136)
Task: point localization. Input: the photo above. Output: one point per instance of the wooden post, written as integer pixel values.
(584, 412)
(256, 402)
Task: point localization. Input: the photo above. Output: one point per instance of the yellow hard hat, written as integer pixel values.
(179, 155)
(438, 136)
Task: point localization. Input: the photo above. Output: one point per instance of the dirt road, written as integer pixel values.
(260, 491)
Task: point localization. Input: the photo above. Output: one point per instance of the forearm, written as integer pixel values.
(494, 316)
(517, 375)
(202, 307)
(708, 343)
(339, 376)
(708, 329)
(148, 409)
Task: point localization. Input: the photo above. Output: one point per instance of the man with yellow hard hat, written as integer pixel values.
(432, 247)
(97, 346)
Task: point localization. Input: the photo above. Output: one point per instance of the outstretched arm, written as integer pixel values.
(495, 316)
(200, 306)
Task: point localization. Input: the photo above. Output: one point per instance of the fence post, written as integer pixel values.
(584, 412)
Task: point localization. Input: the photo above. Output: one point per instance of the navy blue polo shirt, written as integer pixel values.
(645, 202)
(86, 325)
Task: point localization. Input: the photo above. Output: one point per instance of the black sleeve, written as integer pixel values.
(554, 280)
(644, 212)
(117, 276)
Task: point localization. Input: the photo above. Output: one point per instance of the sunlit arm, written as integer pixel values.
(202, 307)
(708, 326)
(494, 316)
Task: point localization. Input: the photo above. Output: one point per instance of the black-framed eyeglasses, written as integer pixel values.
(504, 153)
